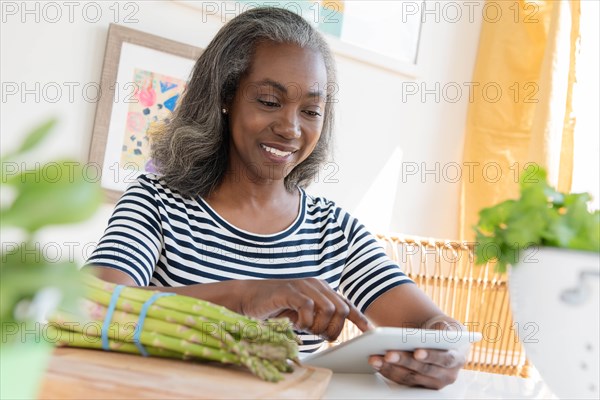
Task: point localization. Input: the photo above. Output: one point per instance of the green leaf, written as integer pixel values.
(533, 197)
(526, 229)
(56, 193)
(559, 233)
(491, 217)
(533, 176)
(27, 270)
(586, 226)
(509, 255)
(557, 198)
(541, 216)
(486, 248)
(34, 138)
(27, 280)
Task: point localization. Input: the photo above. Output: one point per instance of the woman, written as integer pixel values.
(227, 219)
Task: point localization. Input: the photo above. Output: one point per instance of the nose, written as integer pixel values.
(288, 125)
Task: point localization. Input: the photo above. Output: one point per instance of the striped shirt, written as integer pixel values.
(161, 238)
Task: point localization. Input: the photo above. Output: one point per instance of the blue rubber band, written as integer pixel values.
(109, 313)
(142, 318)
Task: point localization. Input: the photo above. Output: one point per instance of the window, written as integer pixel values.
(586, 168)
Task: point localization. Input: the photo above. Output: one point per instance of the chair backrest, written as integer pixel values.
(474, 295)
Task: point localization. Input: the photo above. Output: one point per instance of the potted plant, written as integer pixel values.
(32, 285)
(551, 243)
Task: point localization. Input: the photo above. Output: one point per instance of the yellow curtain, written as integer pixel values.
(520, 111)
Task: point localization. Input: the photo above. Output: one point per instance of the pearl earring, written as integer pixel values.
(224, 111)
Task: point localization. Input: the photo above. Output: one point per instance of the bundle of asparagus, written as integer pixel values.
(177, 327)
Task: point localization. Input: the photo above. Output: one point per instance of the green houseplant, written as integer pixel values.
(541, 216)
(551, 243)
(31, 285)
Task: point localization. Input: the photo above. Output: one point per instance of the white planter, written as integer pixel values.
(555, 299)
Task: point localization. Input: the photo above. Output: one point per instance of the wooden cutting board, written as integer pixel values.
(94, 374)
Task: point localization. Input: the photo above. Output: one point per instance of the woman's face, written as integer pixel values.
(277, 114)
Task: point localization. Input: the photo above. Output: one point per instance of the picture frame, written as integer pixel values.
(382, 33)
(143, 76)
(385, 34)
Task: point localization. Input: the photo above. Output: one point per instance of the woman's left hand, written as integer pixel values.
(432, 369)
(429, 368)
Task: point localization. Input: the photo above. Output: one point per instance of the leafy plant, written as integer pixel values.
(541, 216)
(52, 194)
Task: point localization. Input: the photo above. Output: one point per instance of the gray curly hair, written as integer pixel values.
(191, 152)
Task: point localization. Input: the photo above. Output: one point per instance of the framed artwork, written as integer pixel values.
(383, 33)
(143, 77)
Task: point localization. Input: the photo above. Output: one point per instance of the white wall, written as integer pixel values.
(375, 124)
(383, 132)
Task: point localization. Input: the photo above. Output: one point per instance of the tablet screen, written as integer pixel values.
(352, 356)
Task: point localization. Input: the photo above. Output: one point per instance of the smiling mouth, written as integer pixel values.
(276, 152)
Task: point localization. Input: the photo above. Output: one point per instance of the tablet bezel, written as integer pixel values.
(352, 356)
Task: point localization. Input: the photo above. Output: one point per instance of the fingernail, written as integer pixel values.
(393, 357)
(420, 354)
(376, 364)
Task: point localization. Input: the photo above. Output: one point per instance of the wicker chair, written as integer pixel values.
(475, 295)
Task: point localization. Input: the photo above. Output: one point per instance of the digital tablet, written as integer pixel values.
(352, 356)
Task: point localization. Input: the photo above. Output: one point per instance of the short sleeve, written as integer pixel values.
(368, 272)
(132, 242)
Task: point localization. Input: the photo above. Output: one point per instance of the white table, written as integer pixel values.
(469, 385)
(89, 374)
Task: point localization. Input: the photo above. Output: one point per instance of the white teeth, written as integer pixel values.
(278, 153)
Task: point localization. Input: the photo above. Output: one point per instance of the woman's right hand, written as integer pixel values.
(309, 303)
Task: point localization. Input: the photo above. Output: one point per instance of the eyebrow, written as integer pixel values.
(282, 88)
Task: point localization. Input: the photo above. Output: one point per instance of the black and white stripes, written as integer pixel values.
(160, 238)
